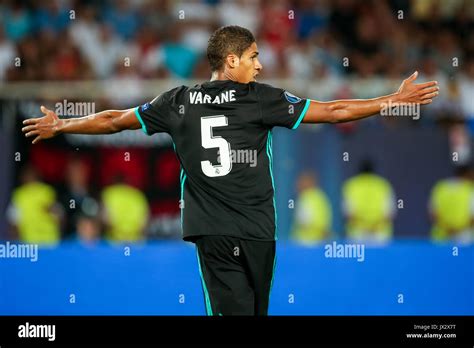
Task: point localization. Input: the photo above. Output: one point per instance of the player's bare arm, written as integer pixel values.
(355, 109)
(104, 122)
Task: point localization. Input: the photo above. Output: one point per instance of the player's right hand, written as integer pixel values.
(43, 127)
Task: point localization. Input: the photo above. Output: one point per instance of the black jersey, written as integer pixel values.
(222, 135)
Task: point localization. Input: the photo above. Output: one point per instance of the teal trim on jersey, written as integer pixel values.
(308, 101)
(270, 159)
(182, 179)
(181, 201)
(273, 275)
(141, 121)
(206, 293)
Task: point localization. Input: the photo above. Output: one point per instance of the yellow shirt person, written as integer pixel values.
(369, 206)
(126, 211)
(452, 208)
(31, 211)
(313, 213)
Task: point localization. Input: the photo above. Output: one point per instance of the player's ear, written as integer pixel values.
(232, 60)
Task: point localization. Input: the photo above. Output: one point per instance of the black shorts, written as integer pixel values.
(236, 274)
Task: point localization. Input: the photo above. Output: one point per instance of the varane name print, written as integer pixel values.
(200, 98)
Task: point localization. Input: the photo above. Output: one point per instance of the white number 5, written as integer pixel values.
(209, 141)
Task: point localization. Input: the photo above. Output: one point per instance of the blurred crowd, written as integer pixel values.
(121, 213)
(304, 39)
(95, 194)
(127, 41)
(369, 207)
(40, 213)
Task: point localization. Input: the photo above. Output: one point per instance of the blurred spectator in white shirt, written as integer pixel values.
(466, 90)
(240, 12)
(7, 54)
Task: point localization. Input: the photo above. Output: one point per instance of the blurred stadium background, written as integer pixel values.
(400, 185)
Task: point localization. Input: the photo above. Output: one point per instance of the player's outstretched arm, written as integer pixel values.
(355, 109)
(104, 122)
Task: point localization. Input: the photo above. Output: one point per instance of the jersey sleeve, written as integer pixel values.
(155, 116)
(281, 108)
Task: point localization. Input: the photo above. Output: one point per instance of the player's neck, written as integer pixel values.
(222, 76)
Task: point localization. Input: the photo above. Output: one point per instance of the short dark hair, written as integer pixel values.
(462, 170)
(366, 166)
(225, 40)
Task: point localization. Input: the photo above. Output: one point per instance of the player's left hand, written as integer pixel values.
(421, 93)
